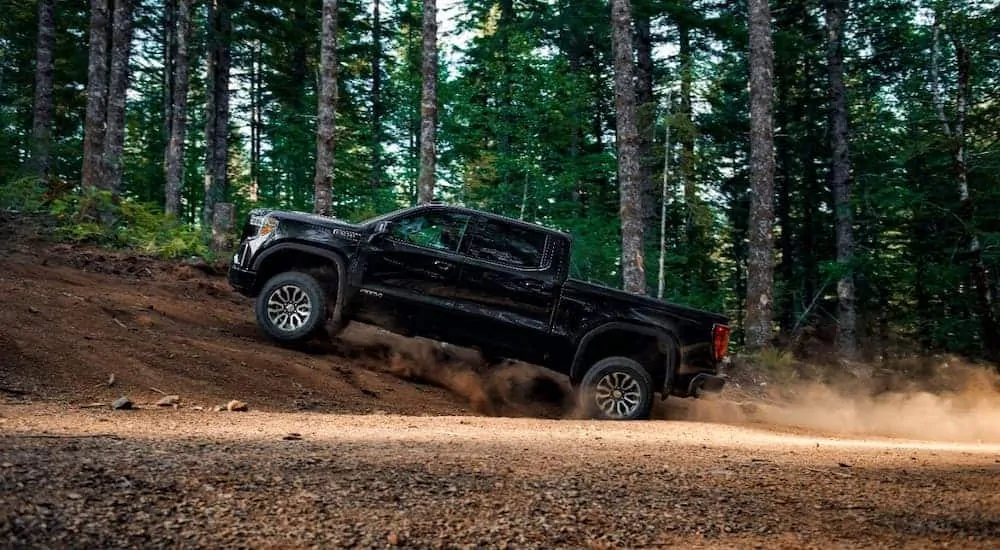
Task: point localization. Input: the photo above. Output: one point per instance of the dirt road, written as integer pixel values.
(175, 478)
(390, 451)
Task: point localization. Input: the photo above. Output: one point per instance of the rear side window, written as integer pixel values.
(511, 245)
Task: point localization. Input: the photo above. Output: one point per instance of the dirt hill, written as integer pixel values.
(73, 316)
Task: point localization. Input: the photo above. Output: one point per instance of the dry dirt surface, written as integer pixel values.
(373, 441)
(186, 479)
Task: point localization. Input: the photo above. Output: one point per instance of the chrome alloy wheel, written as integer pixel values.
(288, 308)
(618, 395)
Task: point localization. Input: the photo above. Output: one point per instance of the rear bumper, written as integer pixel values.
(243, 280)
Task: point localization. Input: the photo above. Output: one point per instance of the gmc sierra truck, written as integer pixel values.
(481, 281)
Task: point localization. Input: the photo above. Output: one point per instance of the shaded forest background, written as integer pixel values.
(526, 127)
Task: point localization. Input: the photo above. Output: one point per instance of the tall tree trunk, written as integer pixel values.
(632, 263)
(327, 112)
(428, 106)
(646, 111)
(41, 131)
(178, 109)
(121, 49)
(97, 95)
(840, 180)
(686, 135)
(376, 173)
(217, 116)
(255, 119)
(956, 134)
(760, 263)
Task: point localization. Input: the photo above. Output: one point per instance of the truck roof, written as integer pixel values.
(473, 211)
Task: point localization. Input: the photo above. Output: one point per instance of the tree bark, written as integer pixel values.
(326, 112)
(685, 135)
(840, 180)
(121, 49)
(376, 96)
(41, 130)
(646, 111)
(97, 95)
(180, 80)
(760, 262)
(428, 106)
(632, 263)
(217, 116)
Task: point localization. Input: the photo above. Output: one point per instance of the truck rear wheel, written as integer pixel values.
(291, 307)
(617, 388)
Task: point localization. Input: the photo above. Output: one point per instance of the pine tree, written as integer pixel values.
(633, 264)
(179, 71)
(428, 106)
(43, 107)
(327, 111)
(760, 265)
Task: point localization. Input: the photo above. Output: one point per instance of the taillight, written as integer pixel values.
(720, 341)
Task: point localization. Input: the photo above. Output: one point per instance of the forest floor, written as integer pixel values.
(373, 440)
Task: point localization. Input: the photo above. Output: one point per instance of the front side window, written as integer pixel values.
(437, 230)
(508, 244)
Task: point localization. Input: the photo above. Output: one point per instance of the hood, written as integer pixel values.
(675, 310)
(303, 217)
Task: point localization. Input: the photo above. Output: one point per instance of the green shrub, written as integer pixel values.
(96, 216)
(24, 195)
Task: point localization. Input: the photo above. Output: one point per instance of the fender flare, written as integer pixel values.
(338, 262)
(666, 337)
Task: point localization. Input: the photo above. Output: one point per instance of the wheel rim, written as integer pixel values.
(288, 308)
(618, 394)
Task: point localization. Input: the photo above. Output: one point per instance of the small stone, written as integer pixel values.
(394, 539)
(122, 404)
(169, 401)
(6, 465)
(293, 437)
(34, 310)
(197, 408)
(74, 496)
(236, 405)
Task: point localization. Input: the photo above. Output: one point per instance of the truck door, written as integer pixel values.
(409, 278)
(508, 287)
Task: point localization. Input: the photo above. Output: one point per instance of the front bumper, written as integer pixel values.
(243, 280)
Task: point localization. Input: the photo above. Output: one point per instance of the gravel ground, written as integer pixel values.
(72, 478)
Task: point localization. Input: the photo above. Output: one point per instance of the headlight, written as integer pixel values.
(267, 226)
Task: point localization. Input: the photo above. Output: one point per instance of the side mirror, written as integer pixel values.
(379, 232)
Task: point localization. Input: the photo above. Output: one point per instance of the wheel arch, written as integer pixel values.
(657, 349)
(303, 257)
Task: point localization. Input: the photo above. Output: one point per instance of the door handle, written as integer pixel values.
(444, 266)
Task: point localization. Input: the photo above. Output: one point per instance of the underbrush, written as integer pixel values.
(97, 217)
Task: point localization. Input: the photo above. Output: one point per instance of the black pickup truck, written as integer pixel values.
(481, 281)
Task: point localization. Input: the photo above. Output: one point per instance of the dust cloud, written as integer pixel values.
(944, 401)
(511, 389)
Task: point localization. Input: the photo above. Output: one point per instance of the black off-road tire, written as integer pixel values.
(291, 307)
(617, 388)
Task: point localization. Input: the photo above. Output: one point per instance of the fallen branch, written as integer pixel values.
(161, 392)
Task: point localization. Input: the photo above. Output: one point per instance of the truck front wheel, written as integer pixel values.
(291, 307)
(617, 388)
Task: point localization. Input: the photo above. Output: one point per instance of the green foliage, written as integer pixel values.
(98, 217)
(23, 195)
